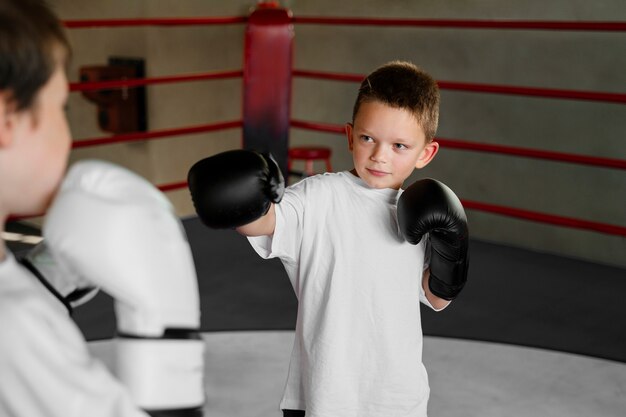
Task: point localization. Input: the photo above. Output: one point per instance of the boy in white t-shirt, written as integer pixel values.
(351, 243)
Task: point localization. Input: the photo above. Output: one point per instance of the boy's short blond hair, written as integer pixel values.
(403, 85)
(32, 45)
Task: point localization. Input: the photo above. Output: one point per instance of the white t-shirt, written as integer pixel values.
(358, 344)
(45, 367)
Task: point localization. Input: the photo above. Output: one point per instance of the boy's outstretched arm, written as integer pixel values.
(237, 189)
(263, 226)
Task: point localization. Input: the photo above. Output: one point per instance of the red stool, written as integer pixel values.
(309, 154)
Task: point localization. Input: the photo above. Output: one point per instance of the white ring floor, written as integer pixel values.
(245, 376)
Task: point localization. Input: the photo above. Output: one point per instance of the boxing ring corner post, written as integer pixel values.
(267, 74)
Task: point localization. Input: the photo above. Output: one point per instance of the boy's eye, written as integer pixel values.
(366, 138)
(400, 146)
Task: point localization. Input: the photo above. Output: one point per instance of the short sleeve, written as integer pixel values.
(286, 241)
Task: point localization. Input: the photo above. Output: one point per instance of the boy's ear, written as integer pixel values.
(5, 121)
(349, 127)
(427, 155)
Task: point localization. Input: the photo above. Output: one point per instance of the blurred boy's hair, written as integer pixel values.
(32, 45)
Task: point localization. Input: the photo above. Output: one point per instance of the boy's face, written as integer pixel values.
(38, 146)
(387, 144)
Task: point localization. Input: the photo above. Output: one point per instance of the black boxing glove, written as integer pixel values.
(234, 188)
(429, 206)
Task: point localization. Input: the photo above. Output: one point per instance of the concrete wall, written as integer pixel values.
(573, 60)
(167, 51)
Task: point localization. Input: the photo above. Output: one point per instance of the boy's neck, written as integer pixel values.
(353, 172)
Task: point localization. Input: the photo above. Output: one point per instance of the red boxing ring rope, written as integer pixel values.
(134, 82)
(156, 134)
(546, 218)
(618, 98)
(452, 143)
(175, 21)
(486, 88)
(485, 147)
(432, 23)
(466, 24)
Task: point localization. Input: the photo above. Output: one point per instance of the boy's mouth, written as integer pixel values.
(376, 173)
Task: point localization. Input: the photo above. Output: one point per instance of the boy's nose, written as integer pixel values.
(379, 155)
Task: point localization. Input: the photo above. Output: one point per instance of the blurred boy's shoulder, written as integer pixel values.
(20, 292)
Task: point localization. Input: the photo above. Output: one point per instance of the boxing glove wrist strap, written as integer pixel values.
(162, 374)
(171, 334)
(447, 278)
(179, 412)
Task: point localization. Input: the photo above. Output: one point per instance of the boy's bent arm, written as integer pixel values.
(263, 226)
(436, 302)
